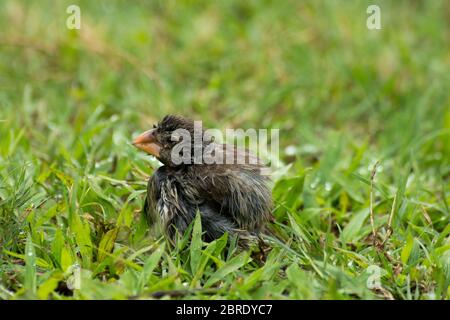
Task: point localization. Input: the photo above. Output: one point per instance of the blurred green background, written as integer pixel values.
(343, 97)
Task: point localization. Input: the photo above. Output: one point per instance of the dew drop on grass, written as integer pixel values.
(290, 150)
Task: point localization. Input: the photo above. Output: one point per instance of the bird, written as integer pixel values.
(230, 197)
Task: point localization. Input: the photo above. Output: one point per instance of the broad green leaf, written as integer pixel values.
(196, 244)
(298, 229)
(406, 251)
(353, 228)
(149, 266)
(206, 255)
(46, 288)
(229, 267)
(107, 244)
(66, 258)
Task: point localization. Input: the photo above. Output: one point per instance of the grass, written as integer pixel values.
(343, 97)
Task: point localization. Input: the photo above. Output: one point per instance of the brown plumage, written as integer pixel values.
(233, 198)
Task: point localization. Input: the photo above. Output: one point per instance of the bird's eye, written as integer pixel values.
(154, 126)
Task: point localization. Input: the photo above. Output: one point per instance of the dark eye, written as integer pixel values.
(154, 126)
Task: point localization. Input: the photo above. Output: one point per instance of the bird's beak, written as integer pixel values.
(147, 142)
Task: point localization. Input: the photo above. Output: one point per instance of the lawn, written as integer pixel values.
(361, 195)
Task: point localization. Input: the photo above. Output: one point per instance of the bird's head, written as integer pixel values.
(160, 140)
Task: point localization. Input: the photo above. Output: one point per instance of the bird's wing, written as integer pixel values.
(241, 192)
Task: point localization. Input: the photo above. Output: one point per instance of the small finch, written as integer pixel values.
(230, 197)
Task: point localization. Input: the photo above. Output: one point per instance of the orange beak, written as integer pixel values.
(147, 142)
